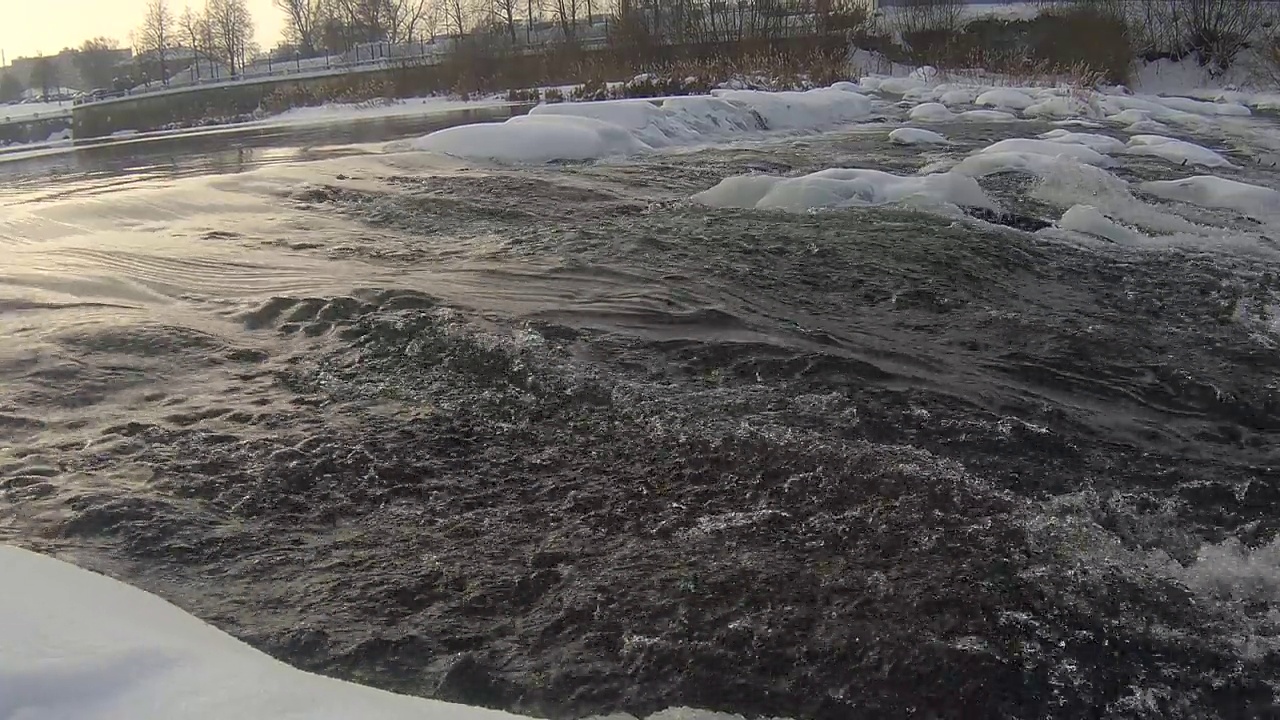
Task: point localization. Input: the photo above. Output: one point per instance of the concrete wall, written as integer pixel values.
(32, 130)
(157, 110)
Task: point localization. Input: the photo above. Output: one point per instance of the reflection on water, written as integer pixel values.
(117, 162)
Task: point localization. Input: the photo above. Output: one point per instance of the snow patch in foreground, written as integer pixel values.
(843, 188)
(81, 646)
(592, 130)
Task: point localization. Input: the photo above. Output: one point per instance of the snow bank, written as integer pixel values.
(81, 646)
(590, 130)
(1090, 221)
(839, 187)
(916, 136)
(1215, 192)
(1176, 151)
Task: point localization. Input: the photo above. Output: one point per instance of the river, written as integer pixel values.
(556, 439)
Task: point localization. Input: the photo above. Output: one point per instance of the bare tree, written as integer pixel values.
(506, 12)
(193, 31)
(304, 22)
(457, 16)
(155, 36)
(405, 19)
(95, 62)
(566, 15)
(231, 27)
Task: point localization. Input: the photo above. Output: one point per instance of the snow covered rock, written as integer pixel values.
(1214, 192)
(987, 116)
(592, 130)
(916, 136)
(839, 187)
(1006, 98)
(1052, 148)
(1176, 151)
(931, 112)
(1090, 221)
(951, 98)
(1104, 144)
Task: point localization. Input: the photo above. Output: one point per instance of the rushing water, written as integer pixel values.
(557, 440)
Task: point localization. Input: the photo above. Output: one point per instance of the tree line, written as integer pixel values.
(218, 34)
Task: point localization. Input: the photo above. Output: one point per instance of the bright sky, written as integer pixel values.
(31, 27)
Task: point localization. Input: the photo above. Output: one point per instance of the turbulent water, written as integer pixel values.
(559, 441)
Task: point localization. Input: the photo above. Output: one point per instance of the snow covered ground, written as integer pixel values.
(81, 646)
(367, 111)
(25, 111)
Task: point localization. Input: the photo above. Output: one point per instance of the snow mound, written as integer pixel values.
(533, 139)
(1104, 144)
(1051, 148)
(916, 136)
(982, 164)
(1176, 151)
(1006, 98)
(931, 112)
(1090, 221)
(1201, 107)
(987, 116)
(1062, 107)
(592, 130)
(81, 646)
(839, 188)
(952, 98)
(1215, 192)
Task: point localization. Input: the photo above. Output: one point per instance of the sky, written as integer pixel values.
(31, 27)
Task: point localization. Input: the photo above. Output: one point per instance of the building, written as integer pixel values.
(72, 68)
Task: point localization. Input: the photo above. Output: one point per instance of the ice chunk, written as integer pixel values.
(1006, 98)
(931, 112)
(1090, 221)
(1215, 192)
(1177, 151)
(1104, 144)
(839, 187)
(916, 136)
(1077, 152)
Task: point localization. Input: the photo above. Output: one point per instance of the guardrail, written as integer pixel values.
(431, 55)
